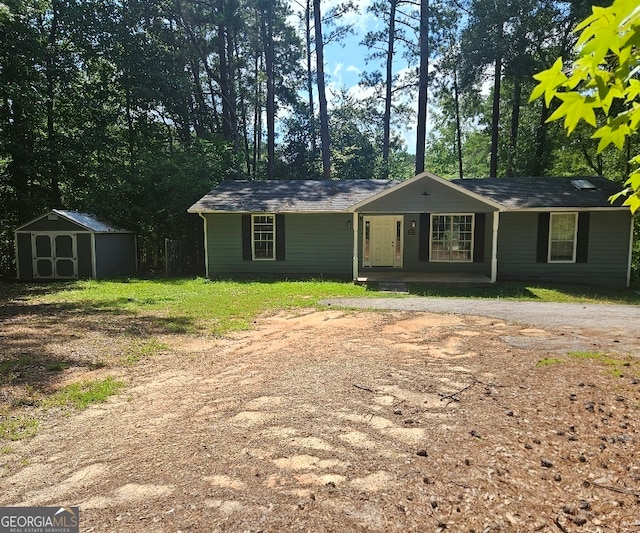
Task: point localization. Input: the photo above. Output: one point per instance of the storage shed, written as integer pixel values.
(71, 245)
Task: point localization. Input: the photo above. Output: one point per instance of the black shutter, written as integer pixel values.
(582, 246)
(424, 236)
(542, 252)
(246, 238)
(478, 238)
(280, 238)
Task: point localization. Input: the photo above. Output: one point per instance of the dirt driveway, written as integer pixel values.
(343, 420)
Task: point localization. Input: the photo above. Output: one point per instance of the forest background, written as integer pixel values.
(133, 109)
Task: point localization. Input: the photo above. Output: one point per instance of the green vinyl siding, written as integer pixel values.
(606, 261)
(315, 244)
(427, 196)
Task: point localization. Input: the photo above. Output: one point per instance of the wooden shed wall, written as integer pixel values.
(115, 254)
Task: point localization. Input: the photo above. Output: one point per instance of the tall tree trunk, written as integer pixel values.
(267, 38)
(312, 112)
(230, 13)
(53, 167)
(257, 117)
(458, 123)
(225, 76)
(495, 117)
(200, 105)
(423, 83)
(515, 123)
(386, 119)
(541, 148)
(322, 97)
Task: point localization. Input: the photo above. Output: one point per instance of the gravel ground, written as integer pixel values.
(335, 420)
(597, 316)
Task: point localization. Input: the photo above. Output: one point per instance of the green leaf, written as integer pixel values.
(550, 80)
(574, 108)
(614, 132)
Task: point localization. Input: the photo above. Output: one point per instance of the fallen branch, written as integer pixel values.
(560, 526)
(455, 396)
(364, 388)
(628, 492)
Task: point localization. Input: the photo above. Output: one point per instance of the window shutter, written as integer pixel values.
(478, 238)
(423, 245)
(246, 238)
(280, 238)
(582, 246)
(542, 252)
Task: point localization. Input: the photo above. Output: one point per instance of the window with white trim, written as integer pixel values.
(563, 230)
(263, 237)
(452, 238)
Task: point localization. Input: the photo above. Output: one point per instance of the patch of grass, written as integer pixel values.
(535, 292)
(617, 365)
(12, 369)
(194, 305)
(598, 356)
(222, 306)
(57, 366)
(143, 351)
(81, 395)
(550, 361)
(6, 450)
(18, 428)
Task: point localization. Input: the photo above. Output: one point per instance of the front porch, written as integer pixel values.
(441, 279)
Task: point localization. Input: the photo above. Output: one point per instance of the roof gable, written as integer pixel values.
(428, 177)
(277, 196)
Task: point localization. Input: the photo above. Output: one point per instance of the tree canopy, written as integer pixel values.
(602, 84)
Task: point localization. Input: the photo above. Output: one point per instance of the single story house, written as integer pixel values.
(71, 245)
(532, 229)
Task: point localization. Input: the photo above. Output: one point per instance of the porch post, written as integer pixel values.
(494, 247)
(355, 245)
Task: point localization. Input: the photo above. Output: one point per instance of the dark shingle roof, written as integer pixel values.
(544, 192)
(289, 195)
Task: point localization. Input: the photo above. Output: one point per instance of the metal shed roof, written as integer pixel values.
(85, 220)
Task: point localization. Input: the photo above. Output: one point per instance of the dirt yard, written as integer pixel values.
(333, 421)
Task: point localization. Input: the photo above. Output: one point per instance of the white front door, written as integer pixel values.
(383, 243)
(54, 255)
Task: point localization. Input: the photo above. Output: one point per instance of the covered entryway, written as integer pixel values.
(55, 255)
(382, 241)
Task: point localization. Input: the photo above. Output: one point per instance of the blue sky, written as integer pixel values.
(345, 61)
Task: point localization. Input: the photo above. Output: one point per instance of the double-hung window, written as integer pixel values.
(263, 237)
(563, 230)
(452, 238)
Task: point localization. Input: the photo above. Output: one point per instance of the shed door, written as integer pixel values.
(55, 255)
